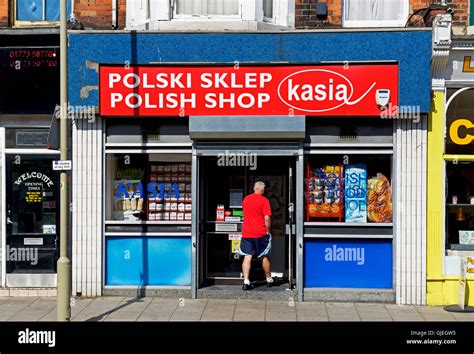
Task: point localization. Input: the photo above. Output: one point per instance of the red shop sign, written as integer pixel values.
(322, 90)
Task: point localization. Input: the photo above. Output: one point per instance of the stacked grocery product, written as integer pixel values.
(379, 199)
(325, 191)
(128, 204)
(173, 201)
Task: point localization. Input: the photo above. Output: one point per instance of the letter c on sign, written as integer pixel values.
(454, 132)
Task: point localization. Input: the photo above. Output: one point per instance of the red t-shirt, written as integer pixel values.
(255, 207)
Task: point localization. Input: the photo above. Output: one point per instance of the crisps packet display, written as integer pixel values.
(325, 191)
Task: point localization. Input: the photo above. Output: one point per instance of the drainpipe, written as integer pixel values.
(114, 14)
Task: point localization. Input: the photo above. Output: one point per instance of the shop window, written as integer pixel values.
(268, 10)
(39, 11)
(349, 188)
(148, 187)
(375, 13)
(460, 123)
(460, 205)
(207, 7)
(159, 14)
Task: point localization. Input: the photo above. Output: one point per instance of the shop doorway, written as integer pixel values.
(32, 214)
(224, 181)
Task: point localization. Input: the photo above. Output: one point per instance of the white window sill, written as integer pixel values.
(372, 24)
(190, 24)
(199, 24)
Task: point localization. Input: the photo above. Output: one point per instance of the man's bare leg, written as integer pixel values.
(246, 267)
(266, 267)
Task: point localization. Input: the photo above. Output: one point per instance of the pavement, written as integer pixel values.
(114, 308)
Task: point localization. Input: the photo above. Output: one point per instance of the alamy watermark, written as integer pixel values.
(22, 254)
(76, 112)
(401, 112)
(237, 159)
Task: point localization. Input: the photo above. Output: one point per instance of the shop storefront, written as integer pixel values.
(161, 172)
(29, 193)
(451, 179)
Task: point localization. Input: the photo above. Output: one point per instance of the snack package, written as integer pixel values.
(379, 199)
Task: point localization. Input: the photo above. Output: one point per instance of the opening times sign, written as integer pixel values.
(322, 90)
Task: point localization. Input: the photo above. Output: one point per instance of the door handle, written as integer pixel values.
(291, 207)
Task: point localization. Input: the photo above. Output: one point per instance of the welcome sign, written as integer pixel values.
(329, 90)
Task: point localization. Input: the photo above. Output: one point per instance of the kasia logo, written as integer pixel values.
(318, 90)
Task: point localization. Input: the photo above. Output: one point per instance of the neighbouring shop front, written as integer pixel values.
(176, 147)
(29, 187)
(451, 180)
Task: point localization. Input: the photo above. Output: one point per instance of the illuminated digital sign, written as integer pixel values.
(30, 80)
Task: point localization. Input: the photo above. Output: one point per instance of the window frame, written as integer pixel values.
(374, 23)
(42, 23)
(273, 18)
(176, 16)
(471, 13)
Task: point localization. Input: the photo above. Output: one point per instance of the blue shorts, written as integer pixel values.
(260, 246)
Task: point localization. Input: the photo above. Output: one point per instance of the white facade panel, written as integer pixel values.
(410, 199)
(87, 212)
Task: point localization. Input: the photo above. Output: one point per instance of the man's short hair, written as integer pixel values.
(259, 185)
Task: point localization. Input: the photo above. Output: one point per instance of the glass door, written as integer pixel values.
(32, 197)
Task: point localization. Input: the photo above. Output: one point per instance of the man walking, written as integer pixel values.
(256, 237)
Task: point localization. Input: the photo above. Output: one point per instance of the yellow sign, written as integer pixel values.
(467, 68)
(235, 245)
(33, 197)
(454, 132)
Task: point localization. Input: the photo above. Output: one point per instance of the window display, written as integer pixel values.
(351, 189)
(460, 205)
(146, 188)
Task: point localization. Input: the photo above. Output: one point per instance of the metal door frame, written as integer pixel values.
(7, 152)
(297, 153)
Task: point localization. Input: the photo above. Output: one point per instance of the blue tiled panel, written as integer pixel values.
(148, 261)
(346, 263)
(412, 49)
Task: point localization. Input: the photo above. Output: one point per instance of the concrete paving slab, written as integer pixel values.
(218, 312)
(431, 309)
(146, 317)
(372, 316)
(123, 316)
(400, 308)
(407, 317)
(438, 317)
(469, 317)
(370, 307)
(191, 311)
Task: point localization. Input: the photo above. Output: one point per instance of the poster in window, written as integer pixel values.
(356, 192)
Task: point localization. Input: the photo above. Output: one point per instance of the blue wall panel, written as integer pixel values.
(345, 263)
(412, 49)
(148, 261)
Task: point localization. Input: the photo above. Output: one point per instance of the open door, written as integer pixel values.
(291, 224)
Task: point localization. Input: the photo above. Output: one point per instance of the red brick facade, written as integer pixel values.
(97, 14)
(3, 13)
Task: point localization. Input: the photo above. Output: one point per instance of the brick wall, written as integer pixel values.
(97, 14)
(305, 16)
(3, 13)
